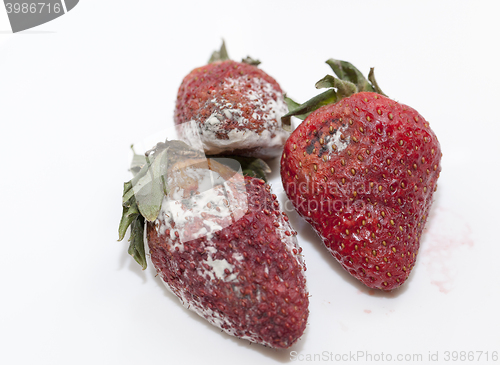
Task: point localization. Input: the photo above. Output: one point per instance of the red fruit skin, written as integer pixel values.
(362, 172)
(263, 297)
(234, 107)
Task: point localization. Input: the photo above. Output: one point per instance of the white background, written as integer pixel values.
(75, 93)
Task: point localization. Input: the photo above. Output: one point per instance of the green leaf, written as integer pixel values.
(251, 61)
(220, 55)
(349, 81)
(136, 247)
(286, 120)
(336, 66)
(303, 110)
(292, 105)
(150, 189)
(143, 195)
(128, 191)
(347, 72)
(253, 167)
(138, 162)
(371, 77)
(129, 213)
(149, 186)
(344, 88)
(128, 194)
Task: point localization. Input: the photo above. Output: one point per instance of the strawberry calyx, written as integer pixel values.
(251, 61)
(222, 55)
(144, 193)
(349, 81)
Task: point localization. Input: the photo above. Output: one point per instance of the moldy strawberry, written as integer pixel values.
(234, 107)
(219, 242)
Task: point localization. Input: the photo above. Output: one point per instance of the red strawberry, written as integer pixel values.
(221, 244)
(234, 107)
(362, 172)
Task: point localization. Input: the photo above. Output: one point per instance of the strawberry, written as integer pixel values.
(235, 107)
(219, 242)
(362, 169)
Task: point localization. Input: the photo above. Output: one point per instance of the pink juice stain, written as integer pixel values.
(445, 233)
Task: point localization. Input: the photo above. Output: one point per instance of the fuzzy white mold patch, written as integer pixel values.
(238, 256)
(217, 204)
(189, 132)
(285, 232)
(217, 269)
(335, 143)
